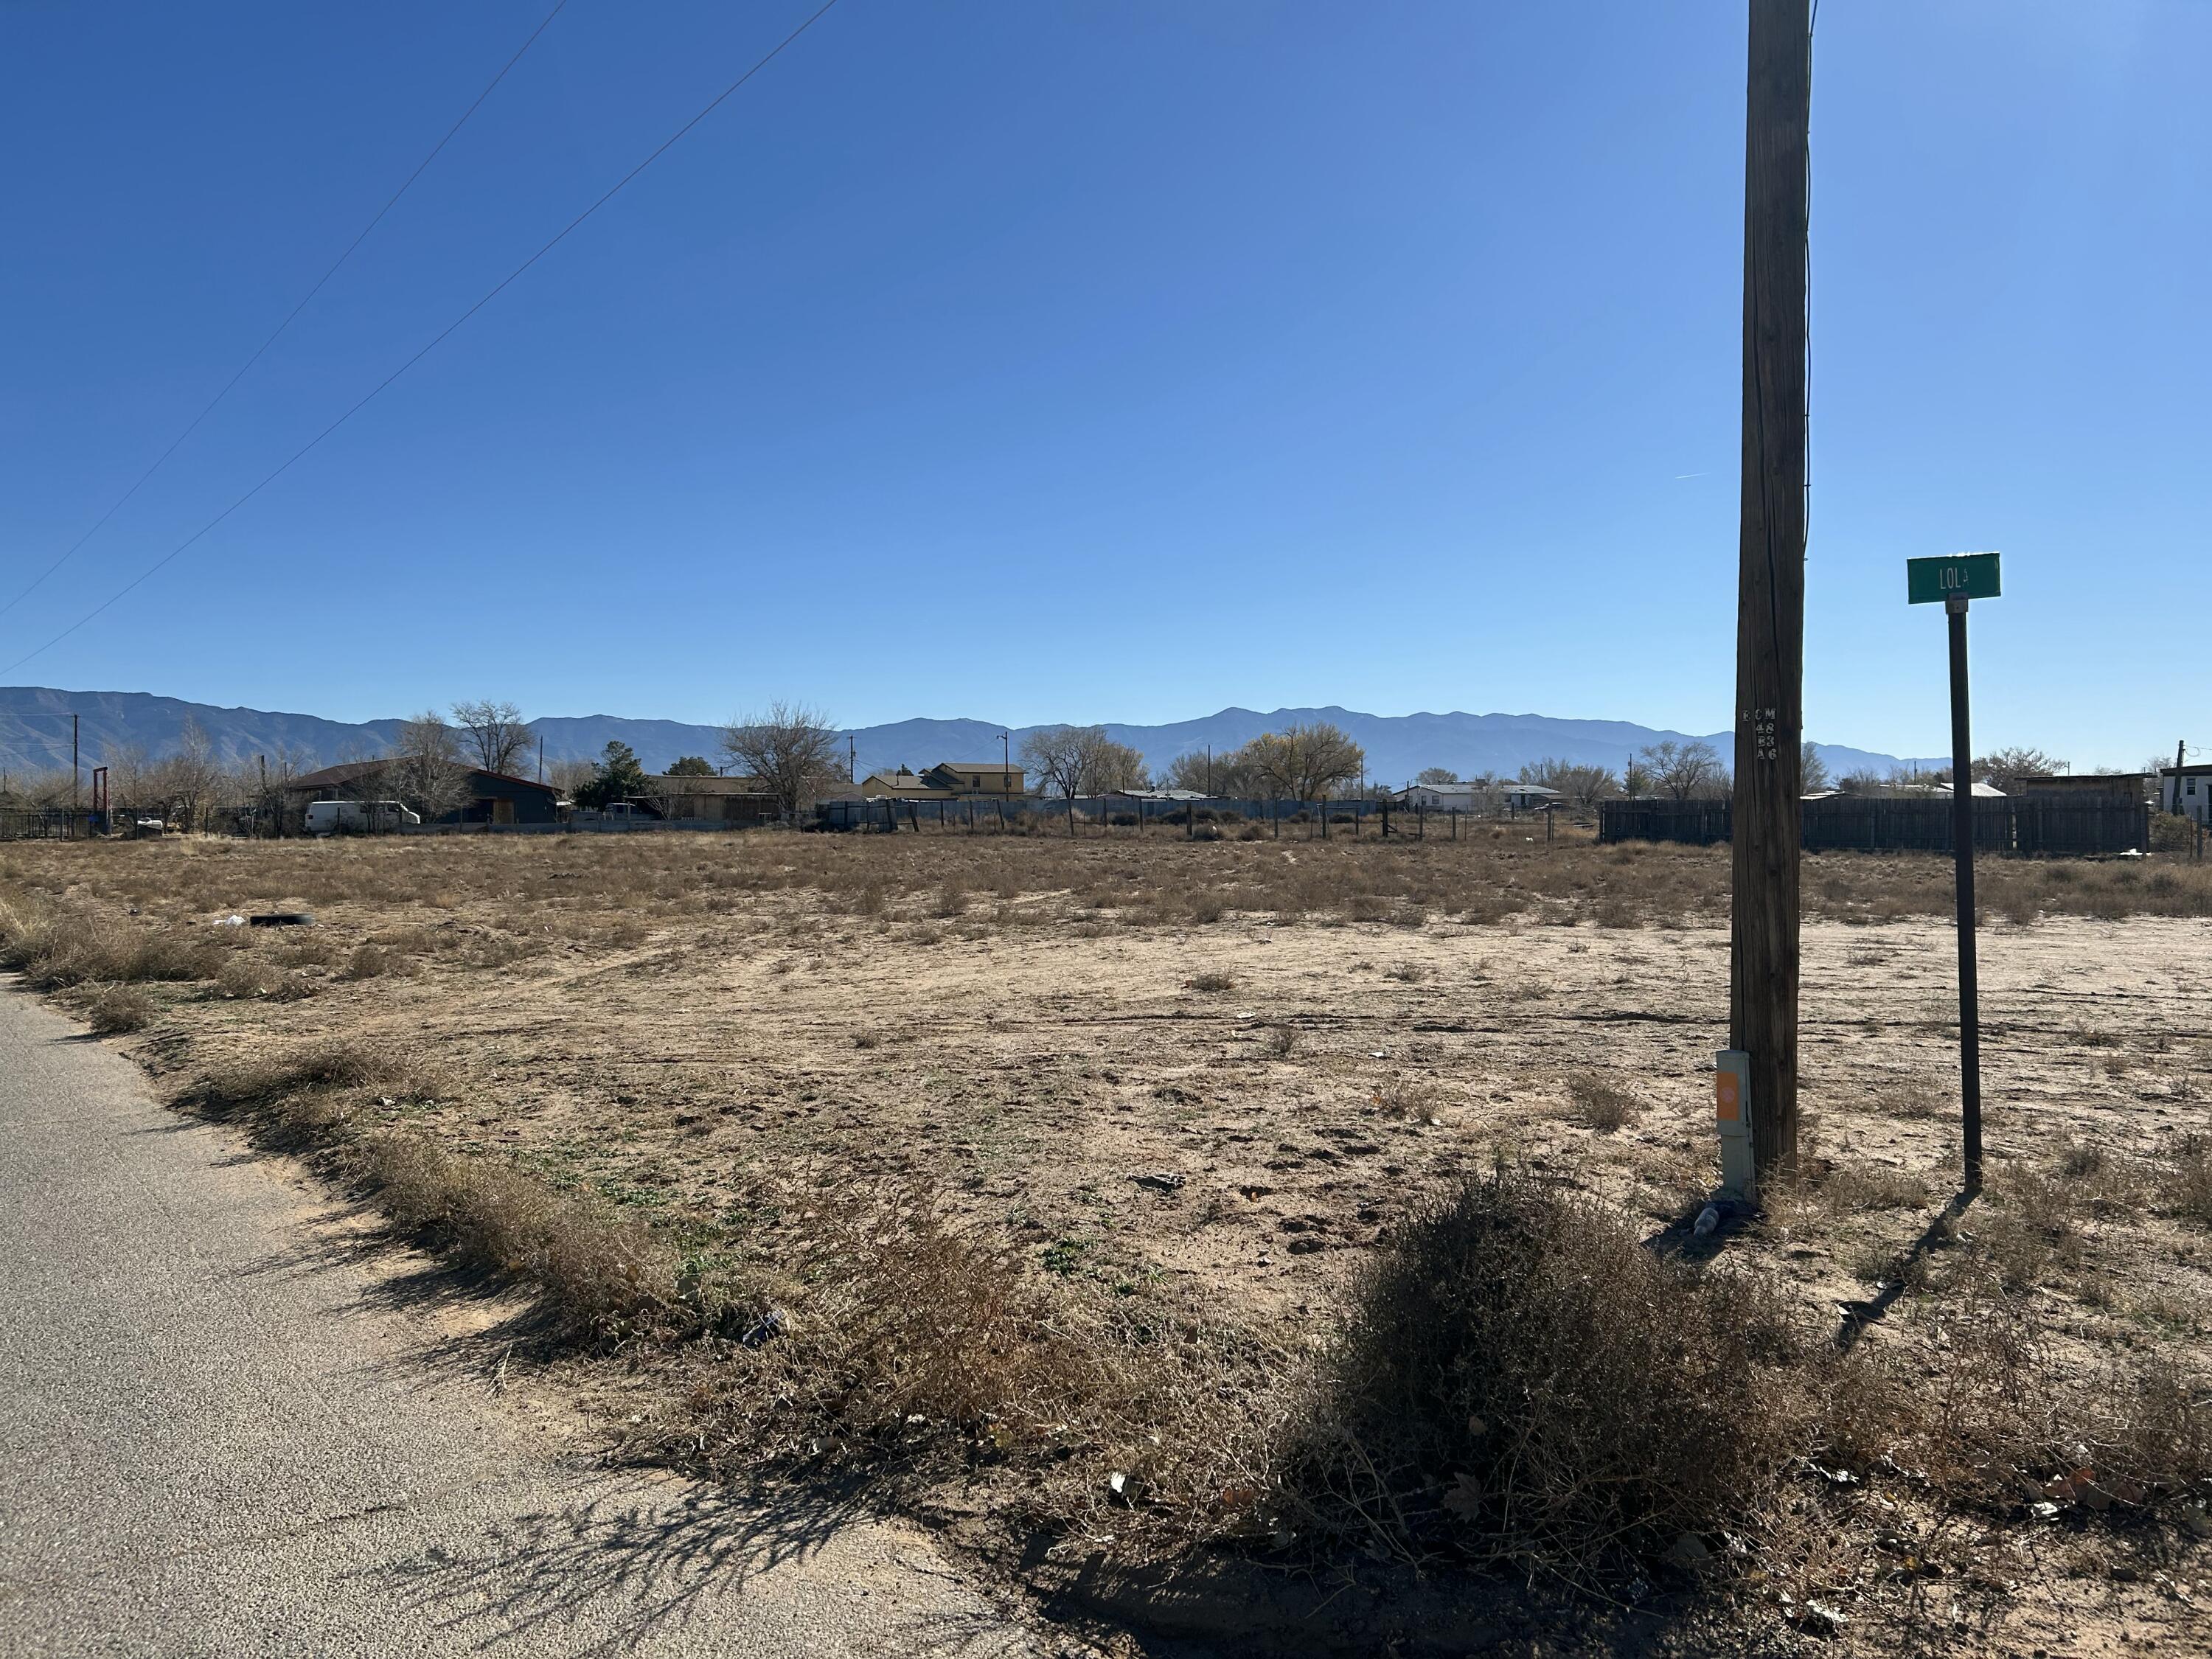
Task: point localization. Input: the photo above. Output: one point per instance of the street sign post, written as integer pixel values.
(1955, 581)
(1958, 576)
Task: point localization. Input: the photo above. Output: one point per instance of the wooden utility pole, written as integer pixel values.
(1770, 582)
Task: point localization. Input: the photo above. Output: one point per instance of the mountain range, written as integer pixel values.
(36, 737)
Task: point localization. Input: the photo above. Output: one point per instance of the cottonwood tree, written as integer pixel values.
(1436, 774)
(1811, 770)
(423, 771)
(1579, 781)
(492, 733)
(1305, 763)
(1069, 761)
(570, 776)
(2010, 766)
(791, 748)
(191, 780)
(1685, 771)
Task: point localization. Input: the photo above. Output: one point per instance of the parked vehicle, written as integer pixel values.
(358, 817)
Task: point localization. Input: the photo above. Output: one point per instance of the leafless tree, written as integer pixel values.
(1811, 770)
(1069, 761)
(191, 780)
(424, 769)
(492, 733)
(1687, 771)
(1578, 782)
(569, 775)
(1436, 774)
(1305, 763)
(2009, 768)
(791, 748)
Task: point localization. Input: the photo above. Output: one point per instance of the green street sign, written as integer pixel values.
(1955, 575)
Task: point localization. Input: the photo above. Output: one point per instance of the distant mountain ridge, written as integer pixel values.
(35, 737)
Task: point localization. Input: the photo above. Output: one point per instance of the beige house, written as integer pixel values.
(946, 780)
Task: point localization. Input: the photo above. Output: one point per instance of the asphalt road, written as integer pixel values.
(225, 1430)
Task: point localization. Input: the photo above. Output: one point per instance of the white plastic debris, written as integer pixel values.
(232, 922)
(1708, 1219)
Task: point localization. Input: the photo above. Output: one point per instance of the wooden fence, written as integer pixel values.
(2088, 826)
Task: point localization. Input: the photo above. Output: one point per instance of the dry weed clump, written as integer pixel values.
(903, 1340)
(55, 948)
(1602, 1104)
(1995, 1421)
(1518, 1378)
(604, 1272)
(115, 1010)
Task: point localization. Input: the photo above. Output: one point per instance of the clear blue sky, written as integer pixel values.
(1084, 360)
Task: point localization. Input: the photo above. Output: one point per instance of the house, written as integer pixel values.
(492, 797)
(724, 801)
(2186, 790)
(1478, 796)
(946, 780)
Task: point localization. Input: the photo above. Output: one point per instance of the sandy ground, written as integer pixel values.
(1230, 1111)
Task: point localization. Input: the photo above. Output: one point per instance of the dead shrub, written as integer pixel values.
(245, 974)
(601, 1271)
(1211, 982)
(370, 961)
(2189, 1189)
(1518, 1377)
(1602, 1104)
(1851, 1188)
(1408, 972)
(113, 1010)
(275, 1083)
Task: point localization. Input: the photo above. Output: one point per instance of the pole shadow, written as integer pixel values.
(1857, 1315)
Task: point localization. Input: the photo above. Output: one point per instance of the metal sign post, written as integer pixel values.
(1955, 581)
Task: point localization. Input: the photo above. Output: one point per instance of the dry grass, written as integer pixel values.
(920, 1155)
(115, 1010)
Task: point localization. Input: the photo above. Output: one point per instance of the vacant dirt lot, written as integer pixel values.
(1207, 1078)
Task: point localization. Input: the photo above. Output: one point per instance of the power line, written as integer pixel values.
(435, 341)
(175, 444)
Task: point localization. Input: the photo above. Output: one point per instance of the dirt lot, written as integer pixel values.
(1208, 1078)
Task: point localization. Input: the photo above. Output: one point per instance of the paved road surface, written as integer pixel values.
(222, 1432)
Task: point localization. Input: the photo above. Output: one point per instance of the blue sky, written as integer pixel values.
(1043, 361)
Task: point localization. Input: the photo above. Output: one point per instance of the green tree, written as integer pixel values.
(691, 766)
(618, 776)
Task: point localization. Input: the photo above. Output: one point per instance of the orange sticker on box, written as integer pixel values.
(1727, 1097)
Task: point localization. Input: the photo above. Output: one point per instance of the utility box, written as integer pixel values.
(1732, 1116)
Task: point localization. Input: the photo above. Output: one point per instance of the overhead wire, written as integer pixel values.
(432, 344)
(291, 316)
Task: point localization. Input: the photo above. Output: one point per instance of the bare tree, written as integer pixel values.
(1580, 783)
(1436, 774)
(791, 748)
(2009, 768)
(569, 775)
(1687, 771)
(1082, 759)
(1305, 762)
(492, 733)
(1811, 770)
(424, 769)
(191, 780)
